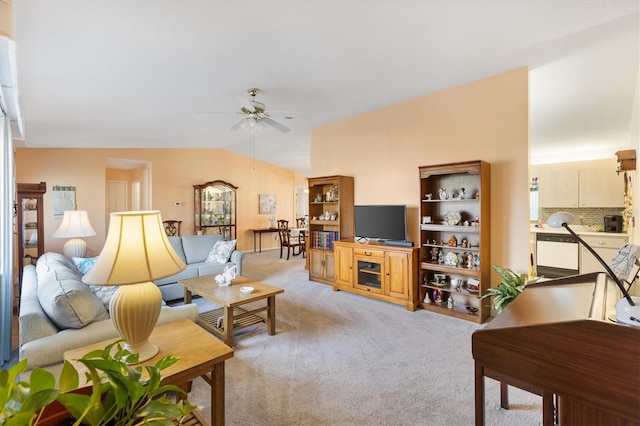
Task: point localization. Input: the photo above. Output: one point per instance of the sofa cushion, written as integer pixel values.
(176, 243)
(188, 272)
(66, 300)
(221, 251)
(197, 247)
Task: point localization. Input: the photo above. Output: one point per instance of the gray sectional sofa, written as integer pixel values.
(59, 312)
(194, 250)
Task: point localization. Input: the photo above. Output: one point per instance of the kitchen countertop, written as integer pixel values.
(578, 229)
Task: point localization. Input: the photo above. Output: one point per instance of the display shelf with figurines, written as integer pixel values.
(454, 239)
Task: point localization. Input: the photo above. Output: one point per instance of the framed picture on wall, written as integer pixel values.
(267, 204)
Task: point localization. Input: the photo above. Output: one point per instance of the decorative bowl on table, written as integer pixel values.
(246, 290)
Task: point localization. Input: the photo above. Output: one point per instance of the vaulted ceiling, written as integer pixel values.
(138, 73)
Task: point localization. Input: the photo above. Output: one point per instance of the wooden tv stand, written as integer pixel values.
(379, 271)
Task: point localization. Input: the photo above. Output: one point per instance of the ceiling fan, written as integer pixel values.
(255, 114)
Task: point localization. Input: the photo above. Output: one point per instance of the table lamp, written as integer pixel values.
(135, 253)
(627, 308)
(75, 225)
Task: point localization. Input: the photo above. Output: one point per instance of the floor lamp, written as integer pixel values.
(75, 225)
(136, 252)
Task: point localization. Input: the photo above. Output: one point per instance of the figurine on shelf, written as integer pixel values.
(440, 256)
(442, 194)
(469, 261)
(463, 193)
(453, 241)
(464, 243)
(434, 254)
(476, 221)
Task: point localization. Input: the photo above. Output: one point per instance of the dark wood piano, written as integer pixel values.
(558, 339)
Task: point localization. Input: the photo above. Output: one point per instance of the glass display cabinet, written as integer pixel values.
(30, 223)
(215, 209)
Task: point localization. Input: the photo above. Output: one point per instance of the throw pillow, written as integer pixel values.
(70, 303)
(84, 264)
(221, 251)
(104, 293)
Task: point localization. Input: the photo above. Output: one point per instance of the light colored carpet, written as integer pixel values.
(342, 359)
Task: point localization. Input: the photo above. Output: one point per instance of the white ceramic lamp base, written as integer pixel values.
(627, 314)
(75, 247)
(134, 312)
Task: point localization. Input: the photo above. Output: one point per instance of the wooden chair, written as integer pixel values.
(172, 227)
(286, 240)
(301, 222)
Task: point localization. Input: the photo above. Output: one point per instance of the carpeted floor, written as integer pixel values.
(342, 359)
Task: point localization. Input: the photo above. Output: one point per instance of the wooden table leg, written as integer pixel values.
(547, 409)
(479, 390)
(217, 395)
(271, 315)
(228, 326)
(187, 296)
(504, 395)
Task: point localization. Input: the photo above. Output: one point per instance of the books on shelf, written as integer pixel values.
(324, 239)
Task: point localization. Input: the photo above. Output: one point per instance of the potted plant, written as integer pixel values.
(509, 288)
(119, 393)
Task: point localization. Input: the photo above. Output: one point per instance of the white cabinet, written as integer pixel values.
(600, 185)
(557, 186)
(607, 246)
(579, 184)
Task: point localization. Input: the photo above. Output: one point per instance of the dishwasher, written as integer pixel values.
(556, 255)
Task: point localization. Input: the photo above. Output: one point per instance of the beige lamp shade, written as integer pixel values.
(135, 253)
(75, 225)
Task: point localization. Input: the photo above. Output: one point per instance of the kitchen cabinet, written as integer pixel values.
(579, 184)
(372, 269)
(606, 245)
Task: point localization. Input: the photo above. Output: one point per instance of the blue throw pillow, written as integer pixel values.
(84, 264)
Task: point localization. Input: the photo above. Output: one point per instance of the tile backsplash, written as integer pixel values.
(590, 216)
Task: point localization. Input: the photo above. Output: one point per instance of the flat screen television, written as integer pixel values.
(381, 222)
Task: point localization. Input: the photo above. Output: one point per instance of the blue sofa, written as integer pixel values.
(193, 250)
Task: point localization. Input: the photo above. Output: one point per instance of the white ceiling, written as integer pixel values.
(134, 74)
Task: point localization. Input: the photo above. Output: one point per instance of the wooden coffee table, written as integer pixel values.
(224, 321)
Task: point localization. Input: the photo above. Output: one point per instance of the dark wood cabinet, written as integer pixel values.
(30, 215)
(215, 209)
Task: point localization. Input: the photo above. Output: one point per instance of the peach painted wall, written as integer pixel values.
(173, 174)
(483, 120)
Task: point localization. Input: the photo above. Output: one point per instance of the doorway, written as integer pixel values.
(128, 186)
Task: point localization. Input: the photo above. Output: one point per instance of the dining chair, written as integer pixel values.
(172, 227)
(286, 240)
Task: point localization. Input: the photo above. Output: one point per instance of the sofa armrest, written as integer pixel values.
(236, 257)
(34, 322)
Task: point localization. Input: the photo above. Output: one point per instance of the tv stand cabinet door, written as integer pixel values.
(344, 266)
(397, 274)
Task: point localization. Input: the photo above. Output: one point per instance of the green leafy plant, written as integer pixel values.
(121, 394)
(509, 288)
(20, 401)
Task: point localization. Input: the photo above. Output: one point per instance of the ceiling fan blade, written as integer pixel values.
(279, 127)
(239, 125)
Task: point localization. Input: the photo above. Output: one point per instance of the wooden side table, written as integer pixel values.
(200, 354)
